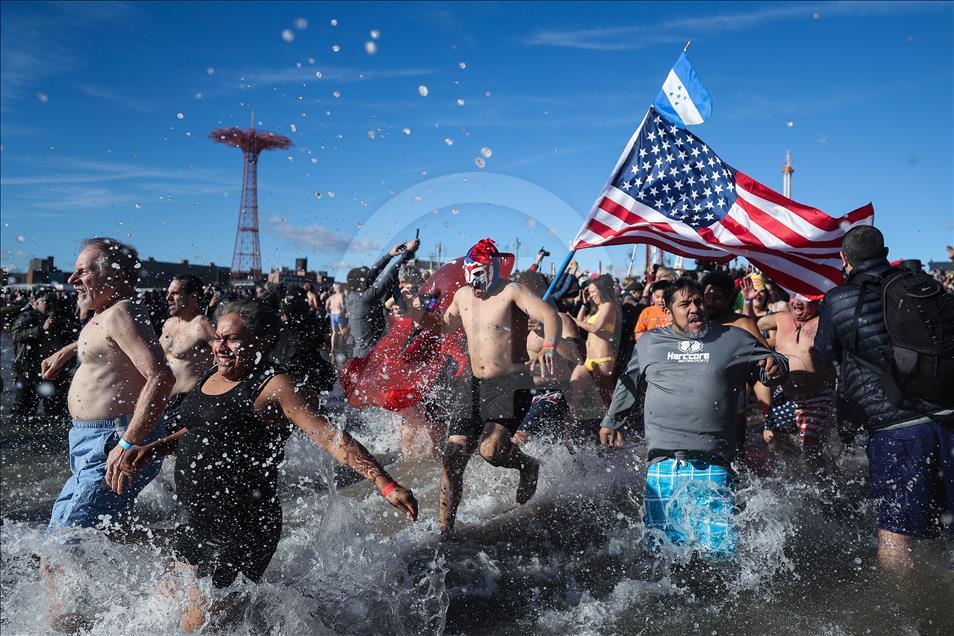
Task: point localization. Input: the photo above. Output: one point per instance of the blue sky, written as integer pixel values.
(106, 110)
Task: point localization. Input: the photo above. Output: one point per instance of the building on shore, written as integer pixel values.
(158, 274)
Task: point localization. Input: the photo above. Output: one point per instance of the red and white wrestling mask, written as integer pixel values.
(482, 266)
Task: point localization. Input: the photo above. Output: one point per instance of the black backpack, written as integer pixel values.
(919, 316)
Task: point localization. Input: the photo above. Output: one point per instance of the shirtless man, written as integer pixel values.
(335, 306)
(490, 308)
(806, 402)
(118, 393)
(719, 293)
(186, 340)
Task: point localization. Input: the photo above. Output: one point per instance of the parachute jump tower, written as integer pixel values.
(247, 257)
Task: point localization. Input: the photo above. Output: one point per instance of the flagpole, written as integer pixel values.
(619, 163)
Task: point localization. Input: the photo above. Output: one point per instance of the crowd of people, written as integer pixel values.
(220, 377)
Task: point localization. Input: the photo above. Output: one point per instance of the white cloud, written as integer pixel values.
(318, 238)
(678, 30)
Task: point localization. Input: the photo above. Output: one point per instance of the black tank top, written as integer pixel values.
(227, 463)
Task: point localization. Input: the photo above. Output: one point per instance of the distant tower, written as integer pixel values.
(787, 171)
(247, 257)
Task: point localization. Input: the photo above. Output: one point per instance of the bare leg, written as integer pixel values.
(456, 455)
(894, 552)
(177, 582)
(497, 450)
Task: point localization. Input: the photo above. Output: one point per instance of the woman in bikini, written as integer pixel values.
(602, 340)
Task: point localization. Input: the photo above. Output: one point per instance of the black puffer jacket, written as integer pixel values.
(861, 403)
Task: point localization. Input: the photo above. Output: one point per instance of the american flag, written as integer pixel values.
(672, 191)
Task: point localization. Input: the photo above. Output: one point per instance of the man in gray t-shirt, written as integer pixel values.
(694, 371)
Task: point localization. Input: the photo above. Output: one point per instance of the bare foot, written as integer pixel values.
(528, 481)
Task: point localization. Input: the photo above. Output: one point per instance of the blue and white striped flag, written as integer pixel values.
(682, 99)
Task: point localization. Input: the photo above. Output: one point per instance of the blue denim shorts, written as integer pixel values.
(85, 500)
(692, 503)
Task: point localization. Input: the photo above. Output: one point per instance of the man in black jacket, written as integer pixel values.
(910, 446)
(38, 331)
(368, 288)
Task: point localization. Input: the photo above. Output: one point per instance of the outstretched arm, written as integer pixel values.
(281, 400)
(624, 400)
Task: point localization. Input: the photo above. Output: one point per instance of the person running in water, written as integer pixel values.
(119, 391)
(186, 340)
(493, 312)
(805, 404)
(335, 306)
(236, 421)
(694, 372)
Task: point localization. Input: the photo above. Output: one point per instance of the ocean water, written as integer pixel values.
(571, 561)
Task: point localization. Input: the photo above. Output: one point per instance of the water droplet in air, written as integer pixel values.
(293, 128)
(314, 161)
(114, 265)
(138, 205)
(334, 22)
(210, 71)
(336, 94)
(481, 162)
(486, 152)
(422, 90)
(789, 123)
(301, 24)
(375, 34)
(317, 195)
(462, 66)
(21, 238)
(448, 141)
(43, 97)
(455, 211)
(258, 357)
(370, 47)
(45, 389)
(288, 35)
(406, 131)
(180, 115)
(335, 48)
(331, 195)
(460, 101)
(198, 95)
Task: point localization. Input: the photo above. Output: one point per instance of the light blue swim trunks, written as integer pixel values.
(85, 499)
(692, 503)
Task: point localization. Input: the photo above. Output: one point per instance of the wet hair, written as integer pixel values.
(660, 284)
(260, 318)
(115, 255)
(606, 286)
(686, 285)
(720, 280)
(190, 284)
(863, 243)
(358, 279)
(411, 275)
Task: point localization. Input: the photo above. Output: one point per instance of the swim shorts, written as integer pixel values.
(810, 418)
(224, 548)
(547, 414)
(503, 400)
(338, 321)
(912, 475)
(690, 502)
(85, 499)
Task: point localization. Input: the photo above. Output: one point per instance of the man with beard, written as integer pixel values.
(694, 371)
(805, 404)
(119, 391)
(720, 293)
(186, 340)
(494, 314)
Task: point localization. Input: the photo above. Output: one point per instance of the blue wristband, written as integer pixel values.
(126, 445)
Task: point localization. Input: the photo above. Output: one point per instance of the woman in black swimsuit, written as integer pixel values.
(235, 424)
